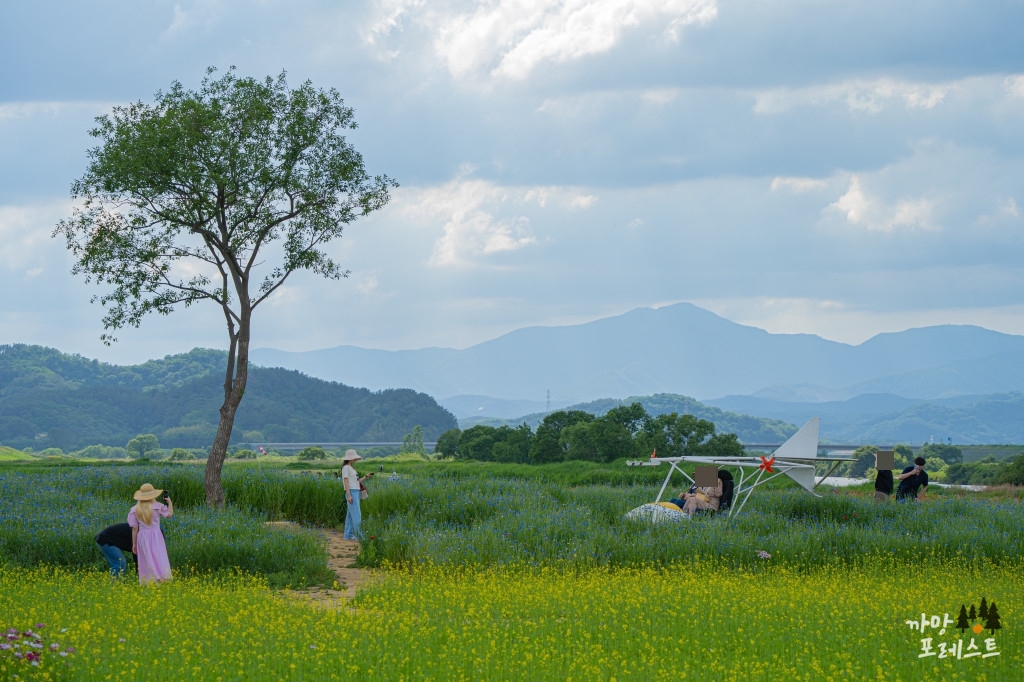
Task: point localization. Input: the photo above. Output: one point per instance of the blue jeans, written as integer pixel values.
(114, 557)
(353, 518)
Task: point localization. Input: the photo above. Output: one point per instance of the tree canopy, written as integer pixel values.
(217, 194)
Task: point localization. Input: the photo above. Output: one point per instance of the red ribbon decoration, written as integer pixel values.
(654, 454)
(766, 464)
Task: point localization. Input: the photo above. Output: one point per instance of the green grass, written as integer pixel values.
(11, 455)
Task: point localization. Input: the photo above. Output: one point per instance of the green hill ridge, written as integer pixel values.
(53, 399)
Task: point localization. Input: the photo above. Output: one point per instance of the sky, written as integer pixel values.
(834, 168)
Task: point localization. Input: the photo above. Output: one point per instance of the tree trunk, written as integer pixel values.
(236, 375)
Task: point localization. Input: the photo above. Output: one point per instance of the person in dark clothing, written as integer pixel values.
(883, 486)
(114, 541)
(911, 479)
(883, 480)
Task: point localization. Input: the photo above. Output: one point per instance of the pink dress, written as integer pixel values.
(153, 563)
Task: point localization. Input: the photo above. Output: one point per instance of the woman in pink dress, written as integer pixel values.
(147, 540)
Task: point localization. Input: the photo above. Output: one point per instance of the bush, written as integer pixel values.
(181, 454)
(142, 444)
(312, 452)
(100, 452)
(1013, 472)
(243, 454)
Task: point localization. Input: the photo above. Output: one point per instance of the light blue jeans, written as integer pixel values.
(353, 518)
(114, 557)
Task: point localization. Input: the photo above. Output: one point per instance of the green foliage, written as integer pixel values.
(949, 454)
(448, 443)
(245, 453)
(749, 429)
(547, 445)
(100, 452)
(903, 456)
(212, 176)
(50, 452)
(180, 455)
(311, 452)
(864, 459)
(11, 455)
(85, 402)
(625, 431)
(469, 516)
(1013, 472)
(413, 441)
(142, 444)
(35, 505)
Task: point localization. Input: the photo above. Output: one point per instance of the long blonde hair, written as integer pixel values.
(144, 511)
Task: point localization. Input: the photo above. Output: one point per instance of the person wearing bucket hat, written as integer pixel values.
(353, 485)
(147, 540)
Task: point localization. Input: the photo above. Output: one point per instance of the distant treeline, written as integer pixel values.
(943, 464)
(623, 431)
(748, 429)
(51, 399)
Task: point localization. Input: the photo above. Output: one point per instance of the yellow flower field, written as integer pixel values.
(429, 623)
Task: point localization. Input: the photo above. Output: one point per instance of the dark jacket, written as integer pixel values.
(119, 535)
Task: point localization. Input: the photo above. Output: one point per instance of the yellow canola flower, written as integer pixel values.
(518, 623)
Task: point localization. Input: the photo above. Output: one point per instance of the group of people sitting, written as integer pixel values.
(698, 498)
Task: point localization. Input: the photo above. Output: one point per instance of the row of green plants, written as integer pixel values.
(51, 517)
(472, 513)
(483, 521)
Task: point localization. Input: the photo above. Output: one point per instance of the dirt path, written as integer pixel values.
(341, 558)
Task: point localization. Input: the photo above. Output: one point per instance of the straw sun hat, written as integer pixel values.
(350, 456)
(147, 492)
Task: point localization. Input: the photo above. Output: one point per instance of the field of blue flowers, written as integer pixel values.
(481, 521)
(51, 517)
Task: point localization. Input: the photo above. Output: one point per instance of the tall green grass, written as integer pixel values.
(52, 518)
(456, 521)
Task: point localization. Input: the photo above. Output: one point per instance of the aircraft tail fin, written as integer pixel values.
(802, 447)
(803, 444)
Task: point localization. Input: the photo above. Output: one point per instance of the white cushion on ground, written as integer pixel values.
(655, 513)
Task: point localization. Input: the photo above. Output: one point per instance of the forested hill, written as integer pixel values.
(51, 399)
(747, 429)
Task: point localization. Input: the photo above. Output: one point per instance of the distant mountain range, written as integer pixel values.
(51, 399)
(958, 382)
(877, 418)
(685, 350)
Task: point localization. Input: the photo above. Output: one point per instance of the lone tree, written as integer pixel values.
(216, 195)
(142, 444)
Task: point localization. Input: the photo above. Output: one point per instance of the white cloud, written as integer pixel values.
(202, 15)
(471, 229)
(797, 184)
(582, 201)
(25, 233)
(480, 218)
(511, 38)
(635, 223)
(28, 110)
(368, 284)
(859, 208)
(869, 96)
(1014, 85)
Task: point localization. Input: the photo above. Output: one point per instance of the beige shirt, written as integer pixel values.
(350, 478)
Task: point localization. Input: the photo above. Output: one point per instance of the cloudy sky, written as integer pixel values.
(834, 168)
